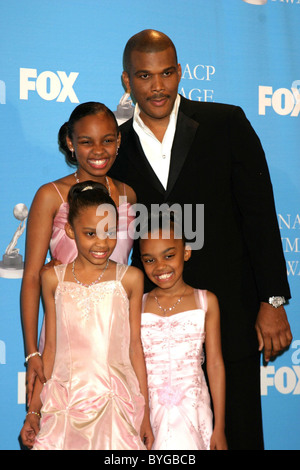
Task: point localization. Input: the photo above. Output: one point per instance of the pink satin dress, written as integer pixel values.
(92, 400)
(180, 411)
(64, 249)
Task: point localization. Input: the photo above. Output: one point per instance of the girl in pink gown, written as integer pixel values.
(90, 141)
(96, 391)
(64, 249)
(176, 322)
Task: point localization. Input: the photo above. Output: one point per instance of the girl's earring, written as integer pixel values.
(117, 151)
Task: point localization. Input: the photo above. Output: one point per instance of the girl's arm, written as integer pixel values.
(215, 371)
(31, 425)
(134, 285)
(39, 229)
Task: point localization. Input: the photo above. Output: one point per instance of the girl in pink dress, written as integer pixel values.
(96, 391)
(90, 141)
(176, 322)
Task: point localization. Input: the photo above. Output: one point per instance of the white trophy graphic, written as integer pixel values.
(12, 264)
(124, 109)
(256, 2)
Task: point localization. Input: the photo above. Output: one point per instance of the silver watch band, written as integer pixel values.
(276, 301)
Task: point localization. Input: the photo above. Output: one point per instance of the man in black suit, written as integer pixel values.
(179, 151)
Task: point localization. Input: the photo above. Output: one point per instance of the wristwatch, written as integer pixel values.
(276, 301)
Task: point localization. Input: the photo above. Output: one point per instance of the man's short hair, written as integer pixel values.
(148, 40)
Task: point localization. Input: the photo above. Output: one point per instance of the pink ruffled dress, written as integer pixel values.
(92, 400)
(180, 410)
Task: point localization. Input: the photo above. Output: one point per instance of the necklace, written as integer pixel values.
(92, 283)
(169, 309)
(106, 181)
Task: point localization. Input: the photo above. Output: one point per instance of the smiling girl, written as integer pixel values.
(96, 394)
(176, 322)
(90, 141)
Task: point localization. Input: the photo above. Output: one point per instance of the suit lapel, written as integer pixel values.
(186, 129)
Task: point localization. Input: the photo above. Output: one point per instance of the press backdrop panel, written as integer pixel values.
(57, 54)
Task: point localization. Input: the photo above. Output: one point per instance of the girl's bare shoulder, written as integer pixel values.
(55, 190)
(133, 279)
(211, 297)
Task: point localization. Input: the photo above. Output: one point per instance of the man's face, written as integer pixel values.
(153, 80)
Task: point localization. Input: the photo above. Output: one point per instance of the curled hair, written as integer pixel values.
(67, 129)
(87, 194)
(147, 40)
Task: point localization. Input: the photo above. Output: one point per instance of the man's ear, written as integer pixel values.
(179, 71)
(126, 81)
(69, 231)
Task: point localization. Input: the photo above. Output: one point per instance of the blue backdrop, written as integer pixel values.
(59, 53)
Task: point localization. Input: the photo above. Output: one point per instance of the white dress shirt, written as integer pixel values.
(158, 153)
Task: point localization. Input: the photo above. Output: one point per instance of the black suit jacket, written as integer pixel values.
(217, 160)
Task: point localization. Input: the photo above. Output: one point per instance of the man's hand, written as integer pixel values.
(273, 330)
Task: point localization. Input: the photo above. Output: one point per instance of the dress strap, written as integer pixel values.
(60, 270)
(201, 299)
(58, 191)
(120, 271)
(144, 302)
(123, 197)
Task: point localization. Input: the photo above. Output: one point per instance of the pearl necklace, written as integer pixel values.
(106, 180)
(169, 309)
(92, 283)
